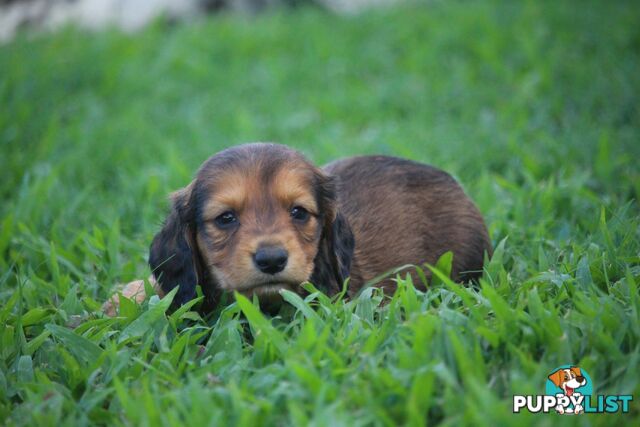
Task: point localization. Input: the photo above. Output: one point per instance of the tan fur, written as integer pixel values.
(263, 210)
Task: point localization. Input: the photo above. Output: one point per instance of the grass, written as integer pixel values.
(531, 105)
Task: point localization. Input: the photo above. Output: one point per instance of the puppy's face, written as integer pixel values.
(259, 224)
(258, 218)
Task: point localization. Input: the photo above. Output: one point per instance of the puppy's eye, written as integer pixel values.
(226, 219)
(299, 213)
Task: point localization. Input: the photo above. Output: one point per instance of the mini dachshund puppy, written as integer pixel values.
(259, 218)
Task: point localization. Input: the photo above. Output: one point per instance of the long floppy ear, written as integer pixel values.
(557, 377)
(332, 264)
(173, 256)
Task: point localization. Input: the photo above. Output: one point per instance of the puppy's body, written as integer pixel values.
(259, 218)
(403, 212)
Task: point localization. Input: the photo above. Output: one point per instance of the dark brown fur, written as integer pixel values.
(403, 212)
(368, 215)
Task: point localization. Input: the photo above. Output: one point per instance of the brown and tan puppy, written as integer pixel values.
(259, 218)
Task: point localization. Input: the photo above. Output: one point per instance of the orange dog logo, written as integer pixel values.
(568, 380)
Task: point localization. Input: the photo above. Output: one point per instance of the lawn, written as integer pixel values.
(532, 105)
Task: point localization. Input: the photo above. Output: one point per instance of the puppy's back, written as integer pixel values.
(403, 212)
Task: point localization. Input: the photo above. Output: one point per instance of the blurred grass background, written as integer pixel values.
(532, 105)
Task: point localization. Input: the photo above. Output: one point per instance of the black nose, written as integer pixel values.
(270, 259)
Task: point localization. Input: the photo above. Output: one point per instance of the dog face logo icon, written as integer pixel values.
(568, 379)
(569, 384)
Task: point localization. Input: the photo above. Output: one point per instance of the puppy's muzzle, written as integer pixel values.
(271, 259)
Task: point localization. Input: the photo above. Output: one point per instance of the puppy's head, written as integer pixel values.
(258, 218)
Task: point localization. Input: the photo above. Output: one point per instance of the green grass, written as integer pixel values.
(533, 106)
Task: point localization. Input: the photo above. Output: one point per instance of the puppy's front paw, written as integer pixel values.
(132, 290)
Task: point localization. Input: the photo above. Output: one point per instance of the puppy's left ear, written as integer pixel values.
(332, 264)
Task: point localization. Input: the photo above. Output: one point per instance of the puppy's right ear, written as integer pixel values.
(332, 264)
(173, 256)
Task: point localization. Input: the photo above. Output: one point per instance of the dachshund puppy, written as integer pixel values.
(259, 218)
